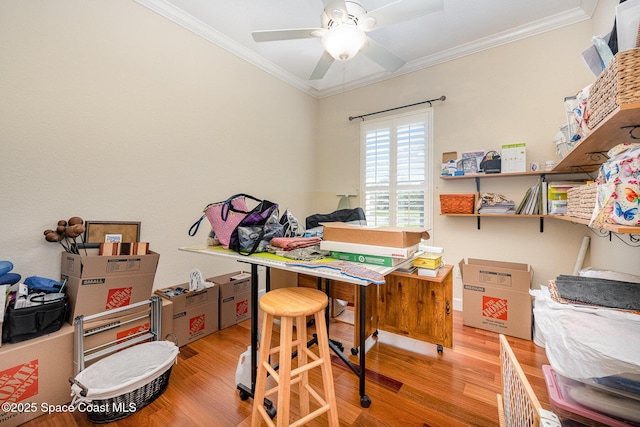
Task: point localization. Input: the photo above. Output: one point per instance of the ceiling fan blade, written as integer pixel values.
(399, 10)
(381, 56)
(335, 9)
(322, 67)
(276, 35)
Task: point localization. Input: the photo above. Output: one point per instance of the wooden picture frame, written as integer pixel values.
(97, 232)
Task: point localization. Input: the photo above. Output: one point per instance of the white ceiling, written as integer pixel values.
(461, 28)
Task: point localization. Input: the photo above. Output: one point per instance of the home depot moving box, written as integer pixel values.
(235, 297)
(97, 283)
(496, 296)
(195, 313)
(35, 374)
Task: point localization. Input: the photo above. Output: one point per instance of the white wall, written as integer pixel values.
(110, 112)
(513, 93)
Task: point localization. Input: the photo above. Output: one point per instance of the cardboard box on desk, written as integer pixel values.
(397, 237)
(195, 313)
(97, 283)
(495, 296)
(34, 373)
(235, 297)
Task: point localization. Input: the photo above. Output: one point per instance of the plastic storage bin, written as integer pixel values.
(609, 409)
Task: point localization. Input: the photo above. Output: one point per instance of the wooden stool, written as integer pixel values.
(293, 305)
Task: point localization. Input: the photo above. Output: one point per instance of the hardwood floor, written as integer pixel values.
(409, 383)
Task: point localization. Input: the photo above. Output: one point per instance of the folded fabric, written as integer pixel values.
(347, 268)
(288, 243)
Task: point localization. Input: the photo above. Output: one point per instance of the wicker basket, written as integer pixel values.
(581, 200)
(617, 85)
(457, 203)
(119, 407)
(124, 382)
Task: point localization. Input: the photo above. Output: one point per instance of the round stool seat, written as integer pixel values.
(293, 302)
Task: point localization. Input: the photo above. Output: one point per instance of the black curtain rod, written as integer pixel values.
(442, 98)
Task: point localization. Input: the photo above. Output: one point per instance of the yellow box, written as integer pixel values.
(428, 261)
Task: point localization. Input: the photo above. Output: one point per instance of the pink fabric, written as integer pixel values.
(289, 243)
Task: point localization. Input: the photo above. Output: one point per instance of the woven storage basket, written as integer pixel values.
(617, 85)
(457, 203)
(123, 383)
(581, 200)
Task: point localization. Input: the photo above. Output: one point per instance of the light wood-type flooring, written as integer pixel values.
(408, 381)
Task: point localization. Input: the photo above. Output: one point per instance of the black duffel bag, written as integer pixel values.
(46, 314)
(341, 215)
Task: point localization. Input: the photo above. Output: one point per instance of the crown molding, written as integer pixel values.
(176, 15)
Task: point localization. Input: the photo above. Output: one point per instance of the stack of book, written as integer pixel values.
(503, 207)
(534, 200)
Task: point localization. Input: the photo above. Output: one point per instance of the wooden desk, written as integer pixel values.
(418, 307)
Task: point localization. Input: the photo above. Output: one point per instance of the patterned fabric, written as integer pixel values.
(347, 268)
(618, 181)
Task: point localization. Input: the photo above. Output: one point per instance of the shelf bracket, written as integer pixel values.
(633, 127)
(598, 156)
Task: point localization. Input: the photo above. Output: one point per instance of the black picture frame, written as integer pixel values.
(96, 232)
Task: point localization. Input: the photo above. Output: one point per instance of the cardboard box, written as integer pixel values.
(127, 323)
(495, 296)
(97, 283)
(34, 374)
(384, 261)
(195, 313)
(235, 297)
(397, 237)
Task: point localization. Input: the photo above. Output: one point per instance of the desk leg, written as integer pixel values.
(365, 401)
(245, 392)
(338, 348)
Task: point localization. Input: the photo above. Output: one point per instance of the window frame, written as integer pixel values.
(393, 122)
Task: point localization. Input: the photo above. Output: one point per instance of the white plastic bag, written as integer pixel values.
(124, 371)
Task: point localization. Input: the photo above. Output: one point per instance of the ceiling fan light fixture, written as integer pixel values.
(344, 41)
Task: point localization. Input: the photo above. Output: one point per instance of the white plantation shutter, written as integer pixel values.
(397, 159)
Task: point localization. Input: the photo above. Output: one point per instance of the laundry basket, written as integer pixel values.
(125, 382)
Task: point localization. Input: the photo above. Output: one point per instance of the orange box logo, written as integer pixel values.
(495, 308)
(118, 297)
(242, 308)
(196, 324)
(132, 331)
(19, 383)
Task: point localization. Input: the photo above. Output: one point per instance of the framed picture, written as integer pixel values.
(97, 232)
(470, 165)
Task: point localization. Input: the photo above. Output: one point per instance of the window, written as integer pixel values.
(396, 170)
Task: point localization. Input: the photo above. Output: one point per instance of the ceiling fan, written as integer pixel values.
(344, 27)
